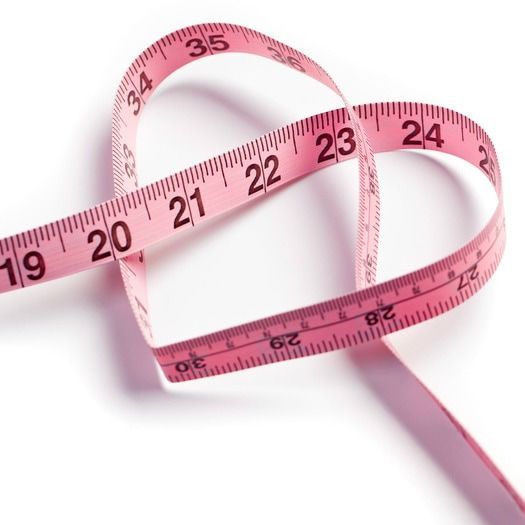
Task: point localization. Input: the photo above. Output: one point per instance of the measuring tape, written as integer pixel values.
(120, 229)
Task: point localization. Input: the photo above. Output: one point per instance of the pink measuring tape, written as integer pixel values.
(140, 216)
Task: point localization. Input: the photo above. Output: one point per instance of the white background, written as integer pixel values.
(88, 431)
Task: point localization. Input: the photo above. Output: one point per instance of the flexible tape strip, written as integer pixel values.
(139, 217)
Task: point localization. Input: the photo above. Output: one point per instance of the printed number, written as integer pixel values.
(216, 43)
(387, 313)
(372, 178)
(346, 135)
(145, 84)
(291, 61)
(8, 265)
(432, 135)
(470, 275)
(487, 163)
(254, 169)
(271, 163)
(280, 341)
(118, 230)
(179, 201)
(32, 262)
(184, 366)
(133, 100)
(369, 267)
(130, 163)
(198, 47)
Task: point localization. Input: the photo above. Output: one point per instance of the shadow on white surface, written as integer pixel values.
(393, 386)
(406, 400)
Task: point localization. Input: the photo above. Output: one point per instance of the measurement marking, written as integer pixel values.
(423, 128)
(109, 235)
(17, 263)
(326, 325)
(261, 164)
(222, 171)
(187, 201)
(210, 50)
(60, 237)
